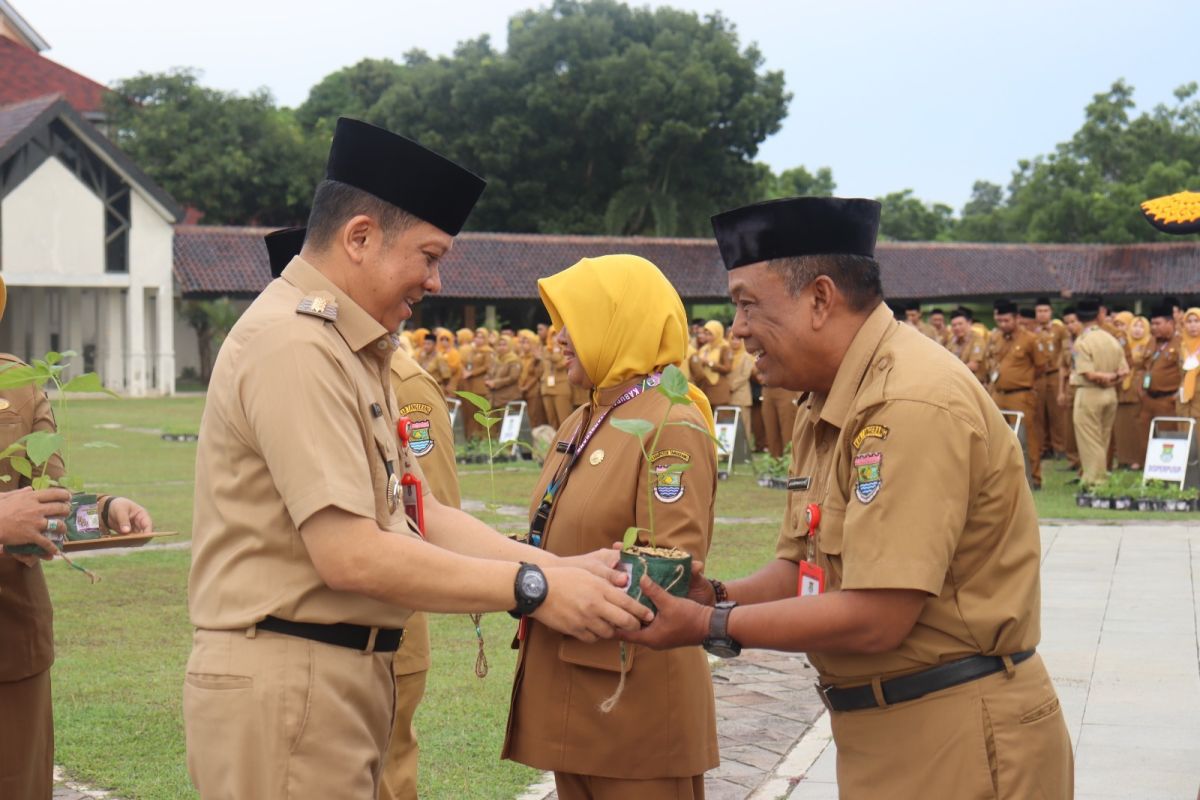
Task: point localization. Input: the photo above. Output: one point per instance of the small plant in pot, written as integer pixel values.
(669, 568)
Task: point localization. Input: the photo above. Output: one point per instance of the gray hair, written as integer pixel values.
(856, 277)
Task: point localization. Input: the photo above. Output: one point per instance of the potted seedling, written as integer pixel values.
(670, 568)
(30, 456)
(773, 472)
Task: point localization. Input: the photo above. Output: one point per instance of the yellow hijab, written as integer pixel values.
(445, 346)
(712, 351)
(625, 318)
(1136, 347)
(465, 336)
(1190, 348)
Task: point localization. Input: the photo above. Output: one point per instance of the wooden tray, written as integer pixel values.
(106, 542)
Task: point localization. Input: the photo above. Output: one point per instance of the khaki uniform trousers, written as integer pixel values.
(1095, 412)
(589, 787)
(1053, 416)
(26, 738)
(400, 762)
(272, 716)
(1153, 407)
(1129, 447)
(995, 738)
(779, 418)
(557, 407)
(1072, 444)
(534, 407)
(1026, 402)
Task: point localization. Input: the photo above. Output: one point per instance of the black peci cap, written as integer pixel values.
(401, 172)
(796, 226)
(912, 305)
(1042, 301)
(1005, 307)
(1088, 305)
(1164, 310)
(282, 246)
(1027, 313)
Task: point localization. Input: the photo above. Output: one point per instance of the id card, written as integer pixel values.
(812, 580)
(1146, 382)
(550, 380)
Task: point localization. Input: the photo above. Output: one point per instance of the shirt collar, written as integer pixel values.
(355, 325)
(608, 396)
(837, 404)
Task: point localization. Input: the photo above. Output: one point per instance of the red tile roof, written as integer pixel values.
(25, 74)
(211, 261)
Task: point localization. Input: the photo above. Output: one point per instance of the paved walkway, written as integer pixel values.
(1119, 636)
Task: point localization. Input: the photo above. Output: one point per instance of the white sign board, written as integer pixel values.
(510, 426)
(1014, 419)
(1167, 456)
(728, 424)
(454, 404)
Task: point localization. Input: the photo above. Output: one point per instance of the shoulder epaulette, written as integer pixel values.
(316, 305)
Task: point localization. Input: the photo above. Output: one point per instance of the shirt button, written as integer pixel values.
(383, 345)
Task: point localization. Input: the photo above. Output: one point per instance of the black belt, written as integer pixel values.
(919, 684)
(1160, 395)
(342, 634)
(1014, 391)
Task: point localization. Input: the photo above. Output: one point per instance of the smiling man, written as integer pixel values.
(305, 564)
(907, 565)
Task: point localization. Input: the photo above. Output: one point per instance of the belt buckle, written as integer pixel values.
(823, 693)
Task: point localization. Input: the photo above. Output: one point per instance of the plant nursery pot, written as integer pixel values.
(673, 573)
(1083, 500)
(1101, 502)
(1144, 504)
(1122, 503)
(82, 523)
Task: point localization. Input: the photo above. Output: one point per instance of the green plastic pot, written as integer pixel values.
(673, 574)
(83, 522)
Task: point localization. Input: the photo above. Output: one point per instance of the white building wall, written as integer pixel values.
(151, 357)
(53, 225)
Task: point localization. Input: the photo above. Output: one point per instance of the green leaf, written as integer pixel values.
(634, 427)
(512, 443)
(685, 424)
(41, 445)
(675, 385)
(485, 420)
(21, 466)
(20, 375)
(42, 482)
(479, 402)
(87, 382)
(53, 357)
(71, 482)
(630, 538)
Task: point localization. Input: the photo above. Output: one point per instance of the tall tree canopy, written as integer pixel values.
(598, 117)
(236, 159)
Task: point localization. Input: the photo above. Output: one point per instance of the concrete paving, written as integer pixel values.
(1119, 636)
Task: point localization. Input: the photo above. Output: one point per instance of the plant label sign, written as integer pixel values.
(1166, 460)
(510, 426)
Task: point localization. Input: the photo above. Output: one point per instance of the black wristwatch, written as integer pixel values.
(530, 589)
(719, 642)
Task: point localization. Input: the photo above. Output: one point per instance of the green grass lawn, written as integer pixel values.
(123, 643)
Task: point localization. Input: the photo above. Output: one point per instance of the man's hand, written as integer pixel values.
(24, 515)
(679, 623)
(602, 563)
(1063, 401)
(126, 516)
(588, 607)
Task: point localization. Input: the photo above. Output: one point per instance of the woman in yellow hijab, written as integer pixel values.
(504, 373)
(1126, 431)
(1189, 402)
(529, 348)
(620, 324)
(712, 363)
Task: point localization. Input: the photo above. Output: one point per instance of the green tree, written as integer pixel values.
(1090, 187)
(598, 117)
(238, 160)
(797, 182)
(907, 219)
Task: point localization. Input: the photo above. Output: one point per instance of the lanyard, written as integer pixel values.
(541, 517)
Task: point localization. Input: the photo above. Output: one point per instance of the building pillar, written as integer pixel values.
(135, 341)
(16, 315)
(110, 358)
(165, 340)
(38, 320)
(72, 330)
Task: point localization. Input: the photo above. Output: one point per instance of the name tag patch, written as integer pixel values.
(798, 484)
(870, 432)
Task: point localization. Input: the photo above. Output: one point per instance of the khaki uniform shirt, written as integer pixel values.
(300, 417)
(971, 348)
(479, 362)
(1014, 360)
(1052, 340)
(960, 526)
(437, 367)
(26, 616)
(1161, 363)
(419, 398)
(554, 372)
(554, 723)
(505, 375)
(1095, 351)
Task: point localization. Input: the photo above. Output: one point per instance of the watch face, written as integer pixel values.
(722, 649)
(533, 584)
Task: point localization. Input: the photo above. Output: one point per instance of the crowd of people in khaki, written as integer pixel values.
(506, 365)
(1088, 382)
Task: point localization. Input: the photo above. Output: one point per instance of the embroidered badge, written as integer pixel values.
(682, 456)
(668, 486)
(419, 408)
(798, 484)
(867, 468)
(870, 432)
(419, 439)
(597, 458)
(317, 306)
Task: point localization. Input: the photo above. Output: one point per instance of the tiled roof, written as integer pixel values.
(25, 74)
(14, 119)
(227, 260)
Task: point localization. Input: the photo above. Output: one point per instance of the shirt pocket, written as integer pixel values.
(604, 654)
(829, 544)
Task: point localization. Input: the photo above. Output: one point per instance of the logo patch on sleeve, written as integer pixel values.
(867, 476)
(870, 432)
(668, 486)
(420, 441)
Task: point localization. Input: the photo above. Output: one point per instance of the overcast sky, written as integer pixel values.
(926, 94)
